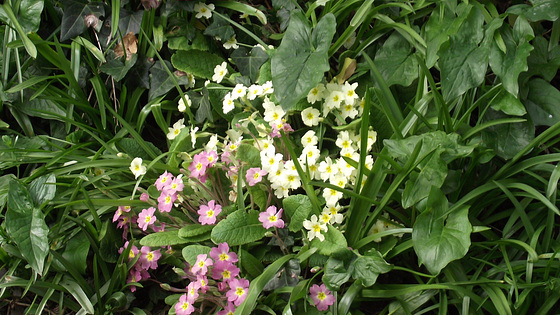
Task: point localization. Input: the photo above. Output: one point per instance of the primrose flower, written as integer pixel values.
(165, 201)
(238, 91)
(120, 211)
(272, 218)
(222, 253)
(137, 168)
(349, 92)
(333, 100)
(192, 290)
(163, 180)
(202, 283)
(309, 139)
(220, 72)
(208, 213)
(182, 107)
(184, 306)
(198, 166)
(316, 93)
(310, 116)
(148, 258)
(225, 271)
(238, 291)
(203, 10)
(201, 265)
(176, 129)
(133, 251)
(254, 91)
(175, 185)
(315, 227)
(227, 104)
(254, 175)
(146, 218)
(267, 88)
(231, 43)
(228, 310)
(321, 296)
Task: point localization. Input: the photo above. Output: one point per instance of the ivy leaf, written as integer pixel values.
(506, 139)
(438, 238)
(543, 102)
(249, 62)
(395, 61)
(43, 189)
(368, 267)
(220, 28)
(302, 58)
(298, 208)
(161, 82)
(117, 68)
(130, 21)
(73, 23)
(196, 62)
(239, 228)
(334, 242)
(165, 238)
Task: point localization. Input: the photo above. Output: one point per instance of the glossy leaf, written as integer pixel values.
(196, 62)
(220, 28)
(508, 104)
(543, 103)
(249, 62)
(165, 238)
(118, 68)
(438, 238)
(297, 208)
(160, 80)
(133, 149)
(506, 139)
(239, 228)
(301, 60)
(368, 267)
(76, 252)
(543, 10)
(432, 173)
(28, 15)
(334, 242)
(73, 23)
(130, 21)
(395, 61)
(337, 272)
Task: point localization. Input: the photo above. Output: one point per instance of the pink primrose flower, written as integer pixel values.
(174, 186)
(228, 310)
(163, 180)
(198, 166)
(321, 297)
(146, 218)
(184, 306)
(208, 213)
(254, 175)
(211, 157)
(222, 253)
(238, 291)
(133, 251)
(201, 265)
(225, 271)
(120, 211)
(271, 218)
(149, 258)
(165, 201)
(202, 283)
(192, 290)
(144, 197)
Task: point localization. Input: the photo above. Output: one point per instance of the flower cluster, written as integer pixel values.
(148, 260)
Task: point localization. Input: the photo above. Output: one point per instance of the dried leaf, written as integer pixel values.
(130, 42)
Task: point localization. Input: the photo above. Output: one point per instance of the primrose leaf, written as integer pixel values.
(298, 208)
(437, 238)
(334, 242)
(432, 173)
(395, 61)
(248, 154)
(239, 228)
(302, 58)
(165, 238)
(543, 102)
(194, 230)
(196, 62)
(190, 252)
(73, 23)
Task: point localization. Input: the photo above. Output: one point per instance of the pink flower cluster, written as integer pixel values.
(201, 163)
(221, 267)
(148, 260)
(169, 186)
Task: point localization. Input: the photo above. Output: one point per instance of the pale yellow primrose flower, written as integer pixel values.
(137, 168)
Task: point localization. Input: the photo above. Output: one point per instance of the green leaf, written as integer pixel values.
(541, 62)
(160, 80)
(258, 196)
(337, 272)
(26, 226)
(239, 228)
(220, 28)
(76, 252)
(73, 23)
(395, 61)
(334, 242)
(507, 66)
(368, 267)
(43, 189)
(249, 154)
(42, 108)
(543, 10)
(191, 251)
(194, 230)
(508, 104)
(249, 62)
(130, 21)
(441, 24)
(432, 173)
(506, 139)
(298, 208)
(302, 58)
(250, 263)
(117, 68)
(196, 62)
(4, 187)
(543, 103)
(28, 15)
(438, 238)
(165, 238)
(133, 149)
(462, 61)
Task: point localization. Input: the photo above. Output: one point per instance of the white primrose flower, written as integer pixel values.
(231, 43)
(238, 91)
(333, 101)
(348, 111)
(203, 10)
(266, 146)
(335, 216)
(343, 140)
(137, 168)
(327, 169)
(339, 180)
(267, 88)
(331, 196)
(192, 80)
(325, 217)
(220, 72)
(271, 163)
(371, 139)
(345, 167)
(227, 104)
(315, 228)
(309, 138)
(182, 107)
(176, 129)
(212, 144)
(193, 135)
(310, 116)
(254, 91)
(316, 94)
(309, 155)
(349, 91)
(274, 114)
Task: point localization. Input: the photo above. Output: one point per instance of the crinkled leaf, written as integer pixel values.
(507, 66)
(368, 267)
(43, 189)
(302, 58)
(334, 242)
(543, 10)
(506, 139)
(194, 230)
(249, 155)
(395, 61)
(220, 28)
(297, 208)
(437, 238)
(462, 61)
(239, 228)
(197, 62)
(129, 21)
(508, 104)
(165, 238)
(161, 82)
(73, 23)
(432, 173)
(117, 68)
(190, 252)
(543, 103)
(249, 62)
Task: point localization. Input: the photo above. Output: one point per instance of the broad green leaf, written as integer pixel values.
(258, 196)
(441, 24)
(76, 252)
(249, 154)
(73, 23)
(395, 61)
(432, 173)
(334, 242)
(117, 68)
(197, 62)
(297, 208)
(437, 238)
(368, 267)
(251, 264)
(239, 228)
(249, 62)
(220, 28)
(302, 58)
(506, 139)
(4, 187)
(133, 149)
(42, 108)
(191, 251)
(160, 80)
(543, 10)
(26, 226)
(543, 103)
(507, 66)
(508, 104)
(165, 238)
(194, 230)
(462, 61)
(28, 15)
(337, 272)
(129, 21)
(43, 189)
(541, 62)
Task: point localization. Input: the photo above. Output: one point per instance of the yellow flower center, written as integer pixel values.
(239, 291)
(256, 176)
(210, 213)
(224, 256)
(185, 306)
(316, 228)
(226, 274)
(148, 218)
(321, 296)
(272, 218)
(150, 256)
